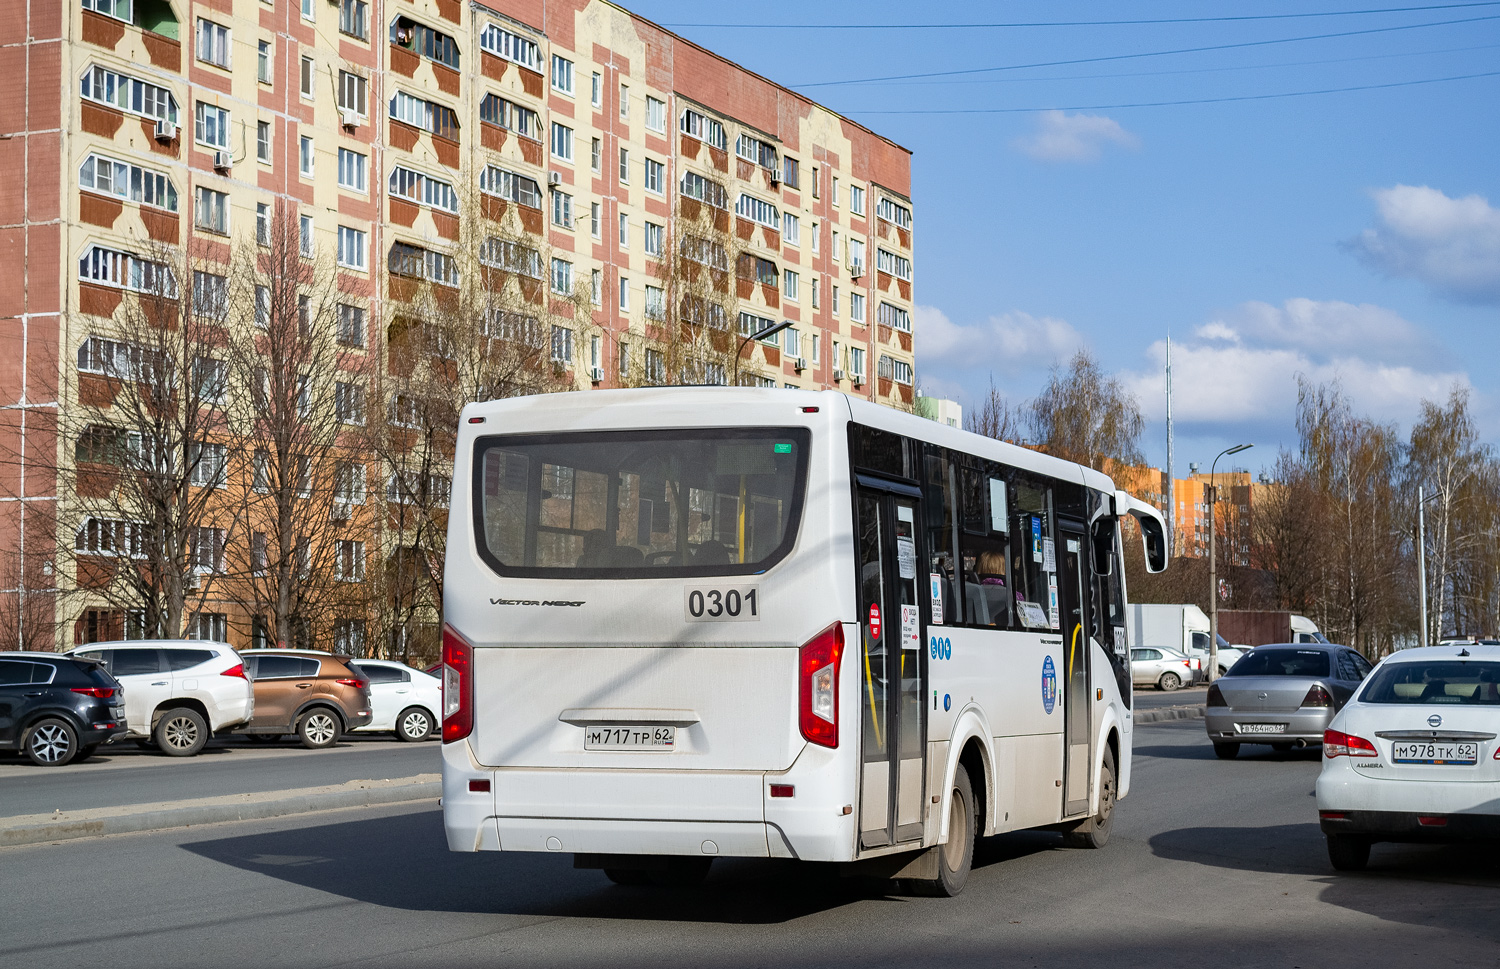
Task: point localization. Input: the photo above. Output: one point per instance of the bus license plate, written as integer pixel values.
(1445, 754)
(608, 737)
(1260, 727)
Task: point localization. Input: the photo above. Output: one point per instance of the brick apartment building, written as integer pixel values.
(569, 144)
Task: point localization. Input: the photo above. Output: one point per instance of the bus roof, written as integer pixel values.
(706, 406)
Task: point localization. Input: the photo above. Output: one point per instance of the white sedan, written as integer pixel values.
(402, 699)
(1413, 755)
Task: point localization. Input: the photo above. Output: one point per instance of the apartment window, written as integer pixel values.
(893, 212)
(894, 317)
(757, 210)
(856, 200)
(704, 128)
(762, 271)
(624, 358)
(835, 302)
(263, 142)
(128, 94)
(562, 142)
(893, 369)
(208, 550)
(210, 627)
(508, 185)
(210, 295)
(212, 211)
(857, 307)
(656, 369)
(421, 39)
(354, 18)
(791, 230)
(118, 9)
(211, 126)
(351, 248)
(624, 166)
(656, 114)
(349, 482)
(263, 223)
(624, 294)
(309, 7)
(856, 255)
(793, 343)
(836, 249)
(111, 537)
(596, 89)
(417, 263)
(753, 149)
(349, 403)
(655, 176)
(834, 199)
(350, 321)
(562, 75)
(349, 560)
(815, 341)
(511, 116)
(624, 231)
(656, 303)
(889, 262)
(789, 284)
(562, 209)
(655, 237)
(263, 61)
(305, 156)
(512, 47)
(512, 257)
(596, 289)
(750, 324)
(207, 462)
(262, 306)
(815, 238)
(813, 288)
(307, 75)
(352, 170)
(353, 93)
(625, 101)
(304, 325)
(594, 210)
(789, 172)
(562, 343)
(110, 177)
(426, 115)
(857, 362)
(562, 277)
(705, 190)
(305, 235)
(596, 154)
(213, 44)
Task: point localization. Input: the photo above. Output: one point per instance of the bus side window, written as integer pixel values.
(988, 587)
(941, 526)
(1030, 537)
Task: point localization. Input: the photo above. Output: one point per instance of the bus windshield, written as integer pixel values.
(639, 504)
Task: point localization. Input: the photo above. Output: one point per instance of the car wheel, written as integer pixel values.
(1223, 671)
(1094, 833)
(51, 743)
(414, 724)
(955, 858)
(1169, 682)
(181, 732)
(627, 876)
(1348, 853)
(1226, 751)
(318, 729)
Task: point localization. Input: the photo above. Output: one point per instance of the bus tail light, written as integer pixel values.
(818, 676)
(458, 686)
(1336, 743)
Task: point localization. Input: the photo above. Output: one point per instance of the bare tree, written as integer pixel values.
(1087, 416)
(994, 417)
(28, 602)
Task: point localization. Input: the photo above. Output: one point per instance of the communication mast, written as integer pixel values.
(1171, 475)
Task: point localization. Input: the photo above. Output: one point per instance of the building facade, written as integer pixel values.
(641, 203)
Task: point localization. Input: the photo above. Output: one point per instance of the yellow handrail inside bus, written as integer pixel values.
(870, 686)
(741, 524)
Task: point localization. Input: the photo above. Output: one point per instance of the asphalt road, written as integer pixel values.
(122, 773)
(1211, 863)
(1149, 698)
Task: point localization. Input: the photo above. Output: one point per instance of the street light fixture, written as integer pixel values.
(1213, 578)
(763, 334)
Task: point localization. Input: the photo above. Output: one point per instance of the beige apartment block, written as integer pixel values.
(606, 202)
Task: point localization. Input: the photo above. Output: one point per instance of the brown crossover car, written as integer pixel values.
(306, 692)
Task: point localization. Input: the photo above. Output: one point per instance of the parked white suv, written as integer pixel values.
(402, 699)
(178, 692)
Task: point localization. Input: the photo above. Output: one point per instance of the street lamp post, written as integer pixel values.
(1422, 557)
(1213, 578)
(768, 331)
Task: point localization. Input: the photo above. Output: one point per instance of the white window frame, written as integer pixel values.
(210, 119)
(656, 114)
(562, 75)
(211, 210)
(562, 142)
(307, 156)
(353, 248)
(307, 75)
(511, 46)
(656, 176)
(654, 239)
(791, 230)
(560, 279)
(212, 43)
(562, 209)
(789, 285)
(354, 170)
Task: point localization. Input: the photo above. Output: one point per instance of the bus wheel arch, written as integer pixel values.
(975, 760)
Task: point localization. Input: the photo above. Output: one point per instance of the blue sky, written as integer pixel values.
(1351, 236)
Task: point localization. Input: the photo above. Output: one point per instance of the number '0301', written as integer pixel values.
(710, 604)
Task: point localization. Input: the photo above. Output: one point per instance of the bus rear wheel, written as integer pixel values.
(956, 858)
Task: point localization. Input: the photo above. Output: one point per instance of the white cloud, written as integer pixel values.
(1061, 137)
(1450, 244)
(1008, 343)
(1323, 327)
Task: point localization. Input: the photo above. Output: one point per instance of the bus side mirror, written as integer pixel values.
(1104, 546)
(1156, 544)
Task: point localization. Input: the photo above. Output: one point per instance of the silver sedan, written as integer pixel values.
(1282, 695)
(1158, 666)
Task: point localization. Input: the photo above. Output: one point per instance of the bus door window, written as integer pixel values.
(988, 586)
(1033, 555)
(875, 721)
(942, 537)
(1076, 688)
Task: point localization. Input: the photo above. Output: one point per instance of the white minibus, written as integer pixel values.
(685, 623)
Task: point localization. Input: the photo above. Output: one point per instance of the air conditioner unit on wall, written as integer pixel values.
(223, 160)
(166, 131)
(775, 176)
(856, 268)
(799, 364)
(554, 178)
(596, 374)
(348, 117)
(838, 375)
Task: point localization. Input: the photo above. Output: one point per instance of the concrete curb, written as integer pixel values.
(1168, 713)
(67, 826)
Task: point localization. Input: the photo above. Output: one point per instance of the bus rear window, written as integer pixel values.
(639, 504)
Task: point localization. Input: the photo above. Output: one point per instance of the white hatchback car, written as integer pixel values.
(1413, 755)
(178, 692)
(402, 699)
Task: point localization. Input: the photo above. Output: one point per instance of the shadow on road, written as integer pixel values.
(1248, 752)
(356, 860)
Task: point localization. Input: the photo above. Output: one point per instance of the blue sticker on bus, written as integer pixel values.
(947, 701)
(940, 647)
(1049, 685)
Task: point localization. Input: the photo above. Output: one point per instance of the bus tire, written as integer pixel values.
(956, 858)
(1094, 833)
